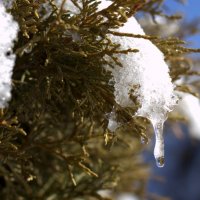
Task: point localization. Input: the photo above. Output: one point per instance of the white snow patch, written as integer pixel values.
(146, 69)
(8, 33)
(189, 107)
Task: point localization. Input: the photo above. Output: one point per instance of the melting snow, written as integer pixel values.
(148, 71)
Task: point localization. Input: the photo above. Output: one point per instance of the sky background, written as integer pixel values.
(191, 10)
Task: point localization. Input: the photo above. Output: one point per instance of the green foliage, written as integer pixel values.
(54, 142)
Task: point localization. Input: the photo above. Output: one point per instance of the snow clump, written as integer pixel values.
(8, 33)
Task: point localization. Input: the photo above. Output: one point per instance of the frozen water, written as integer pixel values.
(159, 143)
(8, 33)
(148, 71)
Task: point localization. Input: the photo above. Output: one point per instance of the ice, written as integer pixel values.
(148, 72)
(8, 33)
(159, 143)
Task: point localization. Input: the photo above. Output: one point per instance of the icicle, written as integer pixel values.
(159, 143)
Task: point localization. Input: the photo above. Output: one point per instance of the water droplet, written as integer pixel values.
(144, 140)
(160, 161)
(159, 143)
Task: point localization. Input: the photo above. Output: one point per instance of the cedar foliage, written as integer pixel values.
(54, 142)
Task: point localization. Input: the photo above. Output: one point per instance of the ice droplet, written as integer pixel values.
(159, 143)
(160, 162)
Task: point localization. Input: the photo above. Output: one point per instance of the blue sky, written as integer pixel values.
(191, 7)
(191, 10)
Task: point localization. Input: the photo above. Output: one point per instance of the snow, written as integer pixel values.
(8, 33)
(189, 107)
(146, 69)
